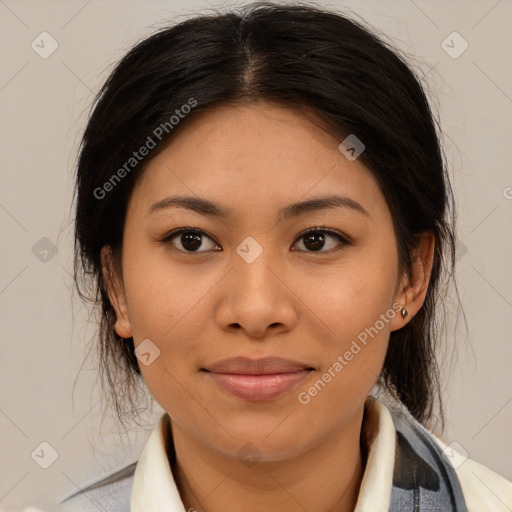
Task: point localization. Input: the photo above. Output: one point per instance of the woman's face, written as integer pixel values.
(251, 285)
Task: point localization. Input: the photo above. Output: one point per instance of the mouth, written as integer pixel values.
(257, 379)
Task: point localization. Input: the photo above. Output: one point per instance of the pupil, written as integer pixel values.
(193, 239)
(317, 239)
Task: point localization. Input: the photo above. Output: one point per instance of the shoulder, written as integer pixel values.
(110, 493)
(483, 489)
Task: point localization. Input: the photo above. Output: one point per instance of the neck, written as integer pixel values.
(325, 478)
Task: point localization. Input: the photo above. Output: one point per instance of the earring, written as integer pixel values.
(404, 312)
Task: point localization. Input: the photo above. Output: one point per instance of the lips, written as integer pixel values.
(257, 379)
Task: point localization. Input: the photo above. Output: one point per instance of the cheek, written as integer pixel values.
(352, 295)
(167, 307)
(162, 295)
(352, 306)
(354, 348)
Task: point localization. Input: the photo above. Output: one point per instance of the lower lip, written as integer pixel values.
(258, 387)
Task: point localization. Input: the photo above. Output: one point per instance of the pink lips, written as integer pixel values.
(257, 379)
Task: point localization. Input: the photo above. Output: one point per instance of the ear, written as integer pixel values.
(413, 289)
(116, 292)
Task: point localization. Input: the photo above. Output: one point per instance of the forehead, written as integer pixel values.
(250, 155)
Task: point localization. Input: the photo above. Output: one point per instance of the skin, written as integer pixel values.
(293, 301)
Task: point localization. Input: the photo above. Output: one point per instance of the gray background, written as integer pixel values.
(45, 332)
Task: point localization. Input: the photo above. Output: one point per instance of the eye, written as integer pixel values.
(315, 239)
(192, 239)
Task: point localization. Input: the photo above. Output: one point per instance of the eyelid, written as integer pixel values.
(343, 239)
(166, 239)
(330, 231)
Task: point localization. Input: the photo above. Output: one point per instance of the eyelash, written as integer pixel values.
(344, 240)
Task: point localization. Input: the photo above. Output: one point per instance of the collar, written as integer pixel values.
(154, 488)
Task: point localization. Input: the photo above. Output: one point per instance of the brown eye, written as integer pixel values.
(190, 239)
(315, 240)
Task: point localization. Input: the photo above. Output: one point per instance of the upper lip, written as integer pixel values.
(263, 366)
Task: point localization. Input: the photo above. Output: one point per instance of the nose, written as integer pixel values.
(257, 298)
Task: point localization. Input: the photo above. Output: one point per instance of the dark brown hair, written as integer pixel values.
(298, 56)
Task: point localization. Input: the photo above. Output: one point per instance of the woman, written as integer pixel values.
(263, 207)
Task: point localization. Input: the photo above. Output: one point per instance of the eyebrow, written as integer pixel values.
(210, 209)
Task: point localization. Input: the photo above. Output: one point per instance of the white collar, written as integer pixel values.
(154, 488)
(380, 434)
